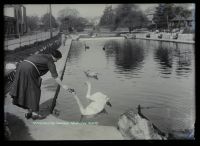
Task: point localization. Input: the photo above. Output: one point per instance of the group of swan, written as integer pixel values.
(97, 104)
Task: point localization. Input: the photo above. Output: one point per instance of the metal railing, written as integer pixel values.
(26, 39)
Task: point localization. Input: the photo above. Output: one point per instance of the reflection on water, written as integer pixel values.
(167, 54)
(128, 55)
(132, 72)
(163, 55)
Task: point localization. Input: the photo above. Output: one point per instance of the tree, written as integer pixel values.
(32, 22)
(46, 21)
(107, 18)
(71, 23)
(67, 12)
(163, 14)
(129, 15)
(70, 20)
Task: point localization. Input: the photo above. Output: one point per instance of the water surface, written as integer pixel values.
(156, 75)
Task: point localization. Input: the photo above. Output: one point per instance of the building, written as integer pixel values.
(182, 22)
(15, 22)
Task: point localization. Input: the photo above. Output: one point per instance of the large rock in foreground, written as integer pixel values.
(136, 126)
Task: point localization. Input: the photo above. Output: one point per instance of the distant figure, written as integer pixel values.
(86, 47)
(91, 74)
(97, 104)
(104, 48)
(64, 38)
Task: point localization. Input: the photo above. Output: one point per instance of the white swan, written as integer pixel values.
(91, 74)
(97, 104)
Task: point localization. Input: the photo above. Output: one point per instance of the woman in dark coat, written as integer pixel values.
(26, 90)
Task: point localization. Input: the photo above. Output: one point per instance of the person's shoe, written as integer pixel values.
(28, 115)
(37, 117)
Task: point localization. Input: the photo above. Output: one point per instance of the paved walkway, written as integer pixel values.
(52, 128)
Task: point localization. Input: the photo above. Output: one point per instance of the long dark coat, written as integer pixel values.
(26, 90)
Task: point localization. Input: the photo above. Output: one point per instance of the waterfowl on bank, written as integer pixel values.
(97, 104)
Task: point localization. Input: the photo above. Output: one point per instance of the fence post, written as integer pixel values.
(36, 36)
(19, 41)
(29, 39)
(7, 44)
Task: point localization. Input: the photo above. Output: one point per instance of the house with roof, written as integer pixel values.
(183, 22)
(15, 22)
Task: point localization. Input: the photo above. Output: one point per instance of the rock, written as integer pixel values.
(134, 126)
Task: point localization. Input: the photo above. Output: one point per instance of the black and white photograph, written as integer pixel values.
(121, 71)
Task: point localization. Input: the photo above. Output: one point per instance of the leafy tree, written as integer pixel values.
(32, 22)
(107, 18)
(71, 23)
(129, 15)
(163, 14)
(67, 12)
(46, 21)
(70, 20)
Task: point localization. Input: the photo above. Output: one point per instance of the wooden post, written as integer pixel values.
(19, 40)
(50, 21)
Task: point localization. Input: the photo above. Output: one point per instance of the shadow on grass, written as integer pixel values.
(18, 129)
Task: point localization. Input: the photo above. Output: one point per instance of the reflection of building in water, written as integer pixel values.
(178, 54)
(183, 61)
(15, 20)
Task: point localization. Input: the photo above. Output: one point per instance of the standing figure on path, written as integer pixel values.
(25, 89)
(64, 38)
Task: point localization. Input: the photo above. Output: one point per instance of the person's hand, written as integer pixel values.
(71, 90)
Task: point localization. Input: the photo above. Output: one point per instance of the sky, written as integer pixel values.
(85, 10)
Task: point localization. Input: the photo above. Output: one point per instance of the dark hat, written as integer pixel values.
(57, 54)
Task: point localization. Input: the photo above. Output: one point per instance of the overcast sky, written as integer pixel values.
(85, 10)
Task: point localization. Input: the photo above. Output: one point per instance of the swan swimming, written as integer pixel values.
(97, 104)
(91, 74)
(86, 47)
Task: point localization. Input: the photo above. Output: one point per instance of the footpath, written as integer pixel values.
(52, 128)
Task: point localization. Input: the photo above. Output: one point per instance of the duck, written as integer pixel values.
(91, 74)
(97, 103)
(86, 47)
